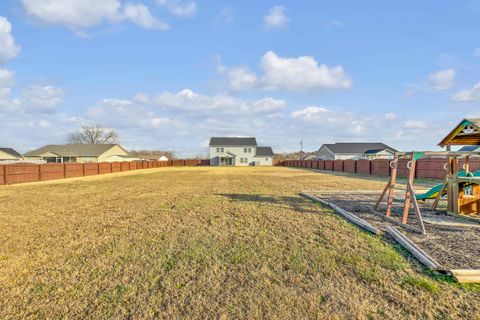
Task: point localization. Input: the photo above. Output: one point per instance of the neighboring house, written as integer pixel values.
(9, 154)
(82, 153)
(239, 151)
(355, 150)
(309, 157)
(470, 149)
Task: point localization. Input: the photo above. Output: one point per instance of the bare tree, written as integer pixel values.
(152, 154)
(94, 134)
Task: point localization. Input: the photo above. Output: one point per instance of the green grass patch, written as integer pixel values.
(421, 283)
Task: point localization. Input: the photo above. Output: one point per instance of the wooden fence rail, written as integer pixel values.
(28, 172)
(425, 168)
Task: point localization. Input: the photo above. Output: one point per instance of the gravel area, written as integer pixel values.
(454, 242)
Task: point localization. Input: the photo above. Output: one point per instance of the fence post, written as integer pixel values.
(39, 172)
(83, 169)
(64, 170)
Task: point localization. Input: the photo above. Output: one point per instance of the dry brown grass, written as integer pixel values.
(204, 243)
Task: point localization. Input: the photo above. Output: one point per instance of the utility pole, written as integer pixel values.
(301, 149)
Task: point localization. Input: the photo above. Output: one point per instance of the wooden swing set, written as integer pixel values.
(462, 187)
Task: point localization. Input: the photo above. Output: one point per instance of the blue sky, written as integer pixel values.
(168, 74)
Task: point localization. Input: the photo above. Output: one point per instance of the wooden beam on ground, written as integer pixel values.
(347, 215)
(466, 275)
(418, 253)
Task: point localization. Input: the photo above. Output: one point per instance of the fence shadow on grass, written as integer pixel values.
(299, 204)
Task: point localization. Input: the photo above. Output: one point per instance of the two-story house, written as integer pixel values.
(239, 151)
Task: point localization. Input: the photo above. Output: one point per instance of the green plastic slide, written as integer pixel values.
(432, 193)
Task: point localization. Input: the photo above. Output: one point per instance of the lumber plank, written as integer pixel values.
(418, 253)
(466, 272)
(347, 215)
(467, 279)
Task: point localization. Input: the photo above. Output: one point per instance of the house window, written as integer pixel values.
(266, 159)
(249, 150)
(221, 149)
(218, 149)
(244, 150)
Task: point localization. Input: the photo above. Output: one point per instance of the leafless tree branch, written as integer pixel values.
(94, 134)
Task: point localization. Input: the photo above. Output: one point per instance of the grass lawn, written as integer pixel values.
(205, 243)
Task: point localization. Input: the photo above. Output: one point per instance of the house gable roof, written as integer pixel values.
(357, 147)
(74, 150)
(469, 148)
(233, 141)
(264, 152)
(467, 132)
(11, 152)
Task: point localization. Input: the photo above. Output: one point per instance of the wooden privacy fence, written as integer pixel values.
(428, 168)
(28, 172)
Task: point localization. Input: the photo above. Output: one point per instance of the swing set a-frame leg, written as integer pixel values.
(439, 196)
(409, 194)
(389, 187)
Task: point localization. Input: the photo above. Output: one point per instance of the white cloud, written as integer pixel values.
(301, 74)
(73, 13)
(408, 93)
(8, 48)
(332, 120)
(415, 124)
(6, 78)
(275, 19)
(391, 116)
(41, 98)
(334, 24)
(225, 16)
(240, 78)
(310, 114)
(187, 100)
(140, 15)
(83, 14)
(156, 122)
(443, 79)
(141, 98)
(179, 8)
(468, 95)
